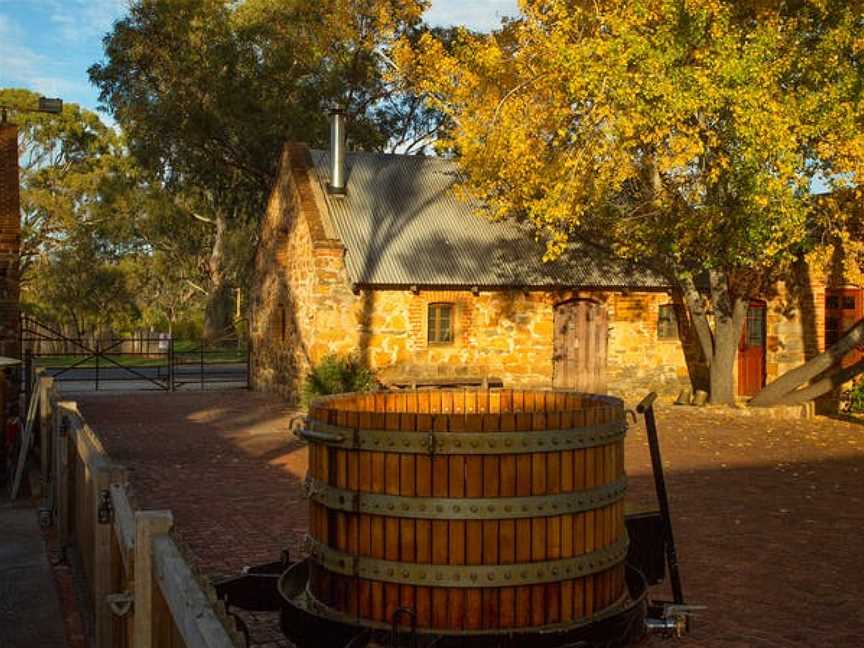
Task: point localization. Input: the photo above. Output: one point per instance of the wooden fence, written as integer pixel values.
(141, 589)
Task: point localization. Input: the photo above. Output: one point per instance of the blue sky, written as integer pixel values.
(47, 45)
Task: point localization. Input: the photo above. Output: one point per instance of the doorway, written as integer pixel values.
(581, 331)
(751, 351)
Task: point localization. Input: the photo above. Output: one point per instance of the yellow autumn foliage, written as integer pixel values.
(690, 134)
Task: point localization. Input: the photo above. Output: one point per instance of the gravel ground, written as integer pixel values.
(768, 513)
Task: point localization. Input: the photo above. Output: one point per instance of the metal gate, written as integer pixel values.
(132, 362)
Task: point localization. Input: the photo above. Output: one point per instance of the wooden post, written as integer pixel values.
(104, 474)
(191, 610)
(46, 385)
(62, 473)
(147, 525)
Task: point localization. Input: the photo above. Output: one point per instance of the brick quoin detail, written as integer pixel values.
(10, 240)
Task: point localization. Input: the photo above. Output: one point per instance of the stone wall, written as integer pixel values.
(795, 323)
(639, 362)
(300, 282)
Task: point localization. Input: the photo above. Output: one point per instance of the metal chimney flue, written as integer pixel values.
(337, 152)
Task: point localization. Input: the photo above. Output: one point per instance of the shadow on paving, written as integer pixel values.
(226, 464)
(30, 612)
(775, 553)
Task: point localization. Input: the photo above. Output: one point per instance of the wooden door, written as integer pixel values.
(751, 351)
(843, 309)
(579, 347)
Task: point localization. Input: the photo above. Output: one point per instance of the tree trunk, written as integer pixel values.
(720, 344)
(727, 332)
(721, 368)
(218, 316)
(785, 390)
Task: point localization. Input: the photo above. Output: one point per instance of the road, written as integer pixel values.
(113, 378)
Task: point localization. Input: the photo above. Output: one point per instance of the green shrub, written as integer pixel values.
(853, 399)
(337, 374)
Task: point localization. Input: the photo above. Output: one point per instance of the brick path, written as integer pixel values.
(768, 514)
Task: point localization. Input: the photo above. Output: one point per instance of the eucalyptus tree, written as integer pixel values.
(207, 92)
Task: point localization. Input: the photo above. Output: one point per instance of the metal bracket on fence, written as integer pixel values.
(120, 604)
(105, 512)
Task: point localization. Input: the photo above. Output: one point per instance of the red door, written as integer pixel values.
(843, 309)
(751, 351)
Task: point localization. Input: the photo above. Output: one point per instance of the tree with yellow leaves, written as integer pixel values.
(683, 135)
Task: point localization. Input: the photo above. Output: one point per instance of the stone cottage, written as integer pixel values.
(374, 254)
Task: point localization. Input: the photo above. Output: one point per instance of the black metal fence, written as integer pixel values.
(132, 362)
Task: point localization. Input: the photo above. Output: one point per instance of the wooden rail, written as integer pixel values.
(142, 591)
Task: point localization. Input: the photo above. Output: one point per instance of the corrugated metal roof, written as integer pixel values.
(402, 224)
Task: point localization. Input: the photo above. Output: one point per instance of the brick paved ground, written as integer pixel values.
(769, 514)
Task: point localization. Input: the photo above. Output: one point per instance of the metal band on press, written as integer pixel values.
(462, 443)
(464, 508)
(547, 571)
